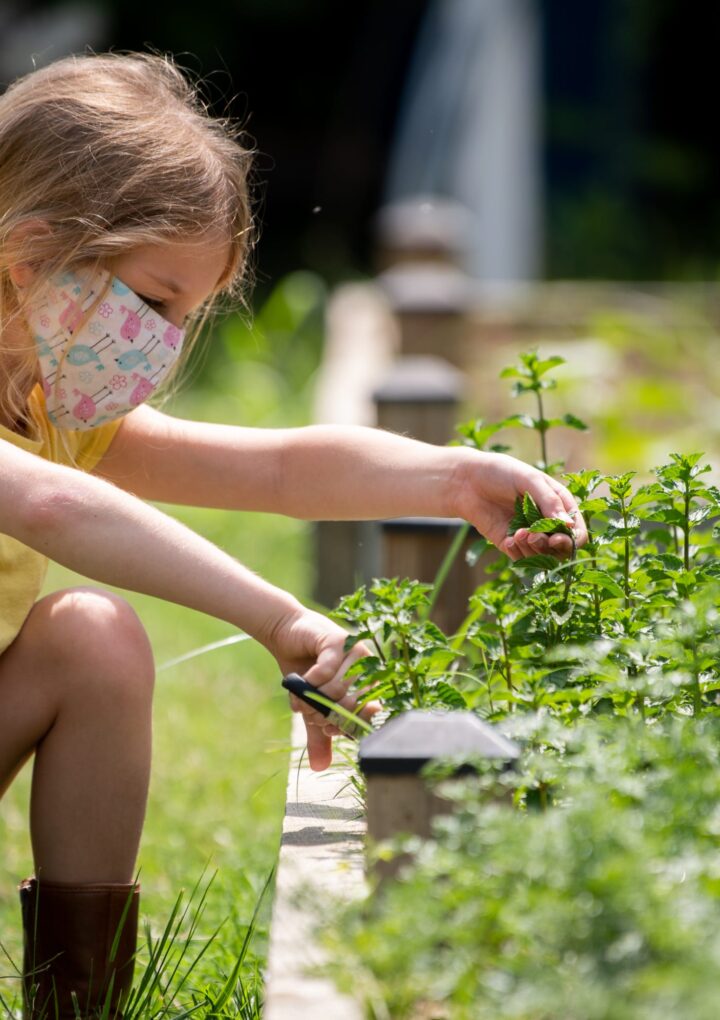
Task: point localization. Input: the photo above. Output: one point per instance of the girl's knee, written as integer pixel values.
(95, 637)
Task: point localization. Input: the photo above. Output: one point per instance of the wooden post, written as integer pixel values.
(398, 800)
(347, 555)
(420, 396)
(430, 302)
(415, 547)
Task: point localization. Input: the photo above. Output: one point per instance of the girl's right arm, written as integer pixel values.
(106, 534)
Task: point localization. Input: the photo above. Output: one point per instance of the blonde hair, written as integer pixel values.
(112, 151)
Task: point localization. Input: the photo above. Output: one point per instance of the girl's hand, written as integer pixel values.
(307, 643)
(486, 487)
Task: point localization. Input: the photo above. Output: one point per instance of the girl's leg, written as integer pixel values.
(76, 687)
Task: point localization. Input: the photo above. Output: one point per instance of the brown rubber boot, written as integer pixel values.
(79, 943)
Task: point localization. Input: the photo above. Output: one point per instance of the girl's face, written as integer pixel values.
(174, 277)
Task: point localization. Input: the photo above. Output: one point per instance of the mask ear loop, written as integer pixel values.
(101, 278)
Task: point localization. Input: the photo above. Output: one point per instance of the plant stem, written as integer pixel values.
(506, 657)
(626, 557)
(569, 574)
(592, 551)
(488, 679)
(541, 429)
(446, 566)
(378, 649)
(596, 606)
(641, 706)
(383, 659)
(543, 795)
(686, 528)
(461, 634)
(417, 693)
(697, 690)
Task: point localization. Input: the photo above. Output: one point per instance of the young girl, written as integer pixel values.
(123, 214)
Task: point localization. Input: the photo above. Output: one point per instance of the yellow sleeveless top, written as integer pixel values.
(22, 570)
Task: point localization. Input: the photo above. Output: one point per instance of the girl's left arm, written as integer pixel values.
(327, 472)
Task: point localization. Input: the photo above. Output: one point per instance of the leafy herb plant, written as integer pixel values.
(566, 637)
(591, 893)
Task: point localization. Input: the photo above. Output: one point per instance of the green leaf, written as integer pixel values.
(518, 388)
(541, 367)
(525, 421)
(477, 432)
(667, 516)
(620, 484)
(574, 423)
(700, 514)
(531, 509)
(593, 506)
(448, 695)
(551, 526)
(603, 580)
(668, 561)
(539, 561)
(518, 519)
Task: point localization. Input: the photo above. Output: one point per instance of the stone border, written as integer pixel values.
(321, 859)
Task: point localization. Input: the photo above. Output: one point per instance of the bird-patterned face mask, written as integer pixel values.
(102, 349)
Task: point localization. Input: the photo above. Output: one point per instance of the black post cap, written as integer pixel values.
(408, 742)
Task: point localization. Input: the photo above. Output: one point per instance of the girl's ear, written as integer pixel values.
(22, 274)
(24, 270)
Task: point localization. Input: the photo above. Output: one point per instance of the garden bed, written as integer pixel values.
(591, 890)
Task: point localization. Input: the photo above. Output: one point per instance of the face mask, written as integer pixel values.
(102, 349)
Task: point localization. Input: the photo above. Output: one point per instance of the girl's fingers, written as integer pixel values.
(335, 689)
(319, 746)
(511, 548)
(336, 684)
(326, 665)
(520, 544)
(320, 732)
(561, 544)
(573, 512)
(524, 543)
(548, 498)
(553, 500)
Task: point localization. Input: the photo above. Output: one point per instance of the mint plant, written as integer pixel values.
(592, 892)
(411, 657)
(539, 627)
(530, 376)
